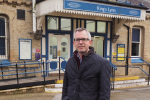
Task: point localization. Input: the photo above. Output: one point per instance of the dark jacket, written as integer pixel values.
(90, 81)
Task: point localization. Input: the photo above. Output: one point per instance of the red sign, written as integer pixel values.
(37, 50)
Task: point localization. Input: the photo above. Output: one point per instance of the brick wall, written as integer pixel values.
(18, 29)
(145, 47)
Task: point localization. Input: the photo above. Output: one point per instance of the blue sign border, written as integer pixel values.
(101, 8)
(31, 49)
(117, 52)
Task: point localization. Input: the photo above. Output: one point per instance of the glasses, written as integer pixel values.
(82, 39)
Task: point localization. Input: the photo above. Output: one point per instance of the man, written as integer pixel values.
(87, 75)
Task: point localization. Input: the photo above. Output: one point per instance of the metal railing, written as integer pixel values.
(44, 71)
(138, 67)
(24, 64)
(113, 75)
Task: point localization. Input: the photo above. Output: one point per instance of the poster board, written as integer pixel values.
(25, 49)
(120, 52)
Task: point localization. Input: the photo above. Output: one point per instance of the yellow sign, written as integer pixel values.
(114, 53)
(58, 52)
(121, 51)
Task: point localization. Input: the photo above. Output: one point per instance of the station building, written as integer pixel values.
(43, 30)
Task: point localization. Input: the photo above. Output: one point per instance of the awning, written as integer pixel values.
(89, 8)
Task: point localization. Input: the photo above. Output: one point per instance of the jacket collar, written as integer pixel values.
(91, 51)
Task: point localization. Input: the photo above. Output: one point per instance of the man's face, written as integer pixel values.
(82, 45)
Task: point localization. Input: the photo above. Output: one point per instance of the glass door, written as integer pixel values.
(98, 44)
(59, 45)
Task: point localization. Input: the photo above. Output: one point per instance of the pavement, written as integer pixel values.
(138, 93)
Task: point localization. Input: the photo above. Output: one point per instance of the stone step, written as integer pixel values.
(53, 90)
(129, 85)
(117, 78)
(122, 78)
(116, 86)
(129, 81)
(116, 82)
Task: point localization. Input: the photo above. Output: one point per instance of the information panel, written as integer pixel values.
(25, 49)
(120, 52)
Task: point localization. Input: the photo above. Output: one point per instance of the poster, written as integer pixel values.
(120, 52)
(25, 49)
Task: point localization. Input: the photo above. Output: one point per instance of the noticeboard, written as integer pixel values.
(120, 52)
(25, 49)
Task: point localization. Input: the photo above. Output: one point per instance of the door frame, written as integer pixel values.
(106, 39)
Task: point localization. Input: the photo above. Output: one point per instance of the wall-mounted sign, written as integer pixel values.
(37, 50)
(63, 43)
(33, 50)
(25, 49)
(120, 52)
(102, 8)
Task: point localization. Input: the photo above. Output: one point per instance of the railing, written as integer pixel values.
(113, 74)
(24, 63)
(44, 71)
(137, 67)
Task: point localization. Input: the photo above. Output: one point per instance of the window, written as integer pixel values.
(136, 41)
(90, 26)
(3, 49)
(101, 27)
(52, 23)
(66, 24)
(53, 48)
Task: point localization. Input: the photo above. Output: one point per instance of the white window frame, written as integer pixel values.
(139, 44)
(6, 54)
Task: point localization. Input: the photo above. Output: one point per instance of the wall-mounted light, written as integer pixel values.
(114, 38)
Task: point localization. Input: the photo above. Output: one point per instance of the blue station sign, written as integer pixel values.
(102, 8)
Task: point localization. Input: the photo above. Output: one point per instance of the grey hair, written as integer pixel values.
(82, 29)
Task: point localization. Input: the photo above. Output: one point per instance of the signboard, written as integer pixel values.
(120, 52)
(37, 50)
(102, 8)
(25, 49)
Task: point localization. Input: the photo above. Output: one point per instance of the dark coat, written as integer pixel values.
(89, 82)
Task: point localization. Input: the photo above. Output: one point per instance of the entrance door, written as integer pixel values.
(59, 45)
(98, 44)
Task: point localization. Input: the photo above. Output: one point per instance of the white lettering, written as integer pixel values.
(101, 9)
(112, 10)
(106, 9)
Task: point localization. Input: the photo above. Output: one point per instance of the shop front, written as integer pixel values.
(59, 19)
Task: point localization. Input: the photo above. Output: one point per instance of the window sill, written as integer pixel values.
(136, 61)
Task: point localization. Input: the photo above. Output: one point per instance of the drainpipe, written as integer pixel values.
(34, 17)
(127, 63)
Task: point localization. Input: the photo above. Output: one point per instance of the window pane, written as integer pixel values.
(136, 35)
(90, 26)
(52, 23)
(64, 47)
(2, 27)
(99, 46)
(101, 27)
(135, 49)
(65, 24)
(2, 46)
(53, 48)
